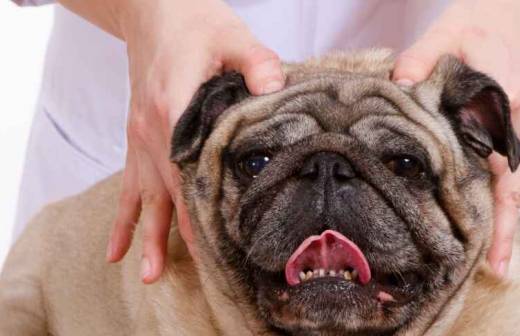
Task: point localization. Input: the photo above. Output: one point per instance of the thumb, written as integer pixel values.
(417, 62)
(260, 66)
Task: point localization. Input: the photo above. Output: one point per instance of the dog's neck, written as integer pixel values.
(484, 305)
(189, 300)
(230, 308)
(490, 307)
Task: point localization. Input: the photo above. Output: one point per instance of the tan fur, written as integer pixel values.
(56, 280)
(60, 248)
(64, 248)
(491, 307)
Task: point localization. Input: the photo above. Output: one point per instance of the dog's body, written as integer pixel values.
(101, 299)
(56, 280)
(70, 290)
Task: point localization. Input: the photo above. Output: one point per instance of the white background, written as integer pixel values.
(23, 37)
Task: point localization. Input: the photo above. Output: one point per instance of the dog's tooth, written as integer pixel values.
(354, 274)
(347, 275)
(315, 273)
(340, 272)
(332, 273)
(308, 276)
(302, 276)
(321, 272)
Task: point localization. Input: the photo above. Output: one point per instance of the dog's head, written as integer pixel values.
(344, 204)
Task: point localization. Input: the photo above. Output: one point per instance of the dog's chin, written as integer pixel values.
(335, 304)
(343, 298)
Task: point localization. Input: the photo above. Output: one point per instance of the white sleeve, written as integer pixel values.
(33, 2)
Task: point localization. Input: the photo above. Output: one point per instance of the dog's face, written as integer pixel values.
(343, 204)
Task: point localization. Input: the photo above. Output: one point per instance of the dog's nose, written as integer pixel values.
(327, 165)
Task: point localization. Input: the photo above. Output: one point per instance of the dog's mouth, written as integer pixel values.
(332, 257)
(329, 284)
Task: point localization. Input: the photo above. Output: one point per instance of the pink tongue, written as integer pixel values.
(329, 251)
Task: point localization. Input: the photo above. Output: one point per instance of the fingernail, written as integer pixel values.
(146, 268)
(109, 251)
(404, 82)
(272, 86)
(503, 269)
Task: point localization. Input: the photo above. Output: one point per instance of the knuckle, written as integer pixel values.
(128, 197)
(153, 237)
(138, 127)
(121, 226)
(414, 56)
(257, 54)
(148, 237)
(151, 198)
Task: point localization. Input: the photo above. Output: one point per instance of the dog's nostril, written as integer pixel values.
(327, 165)
(343, 171)
(310, 170)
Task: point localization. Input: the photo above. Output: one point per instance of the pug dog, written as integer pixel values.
(341, 205)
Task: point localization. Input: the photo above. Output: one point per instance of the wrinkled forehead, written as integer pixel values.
(349, 104)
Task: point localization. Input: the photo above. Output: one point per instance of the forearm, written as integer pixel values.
(127, 18)
(106, 14)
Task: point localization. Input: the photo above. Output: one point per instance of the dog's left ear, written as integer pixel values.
(196, 123)
(478, 108)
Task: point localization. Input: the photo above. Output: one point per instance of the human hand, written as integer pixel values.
(173, 47)
(483, 34)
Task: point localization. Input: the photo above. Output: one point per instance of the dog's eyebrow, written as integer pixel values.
(287, 128)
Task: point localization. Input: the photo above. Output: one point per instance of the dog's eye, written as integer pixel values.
(254, 163)
(406, 166)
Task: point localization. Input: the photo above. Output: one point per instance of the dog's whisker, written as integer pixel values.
(255, 243)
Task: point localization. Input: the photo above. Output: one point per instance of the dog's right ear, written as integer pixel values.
(196, 123)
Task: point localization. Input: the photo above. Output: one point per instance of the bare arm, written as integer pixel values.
(173, 47)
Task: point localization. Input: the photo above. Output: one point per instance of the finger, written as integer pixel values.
(172, 180)
(155, 147)
(416, 63)
(128, 211)
(506, 220)
(156, 217)
(183, 218)
(261, 67)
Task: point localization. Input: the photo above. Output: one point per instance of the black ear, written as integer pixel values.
(479, 109)
(196, 123)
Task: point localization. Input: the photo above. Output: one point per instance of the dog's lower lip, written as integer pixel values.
(378, 290)
(385, 295)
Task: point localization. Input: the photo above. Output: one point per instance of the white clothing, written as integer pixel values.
(78, 135)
